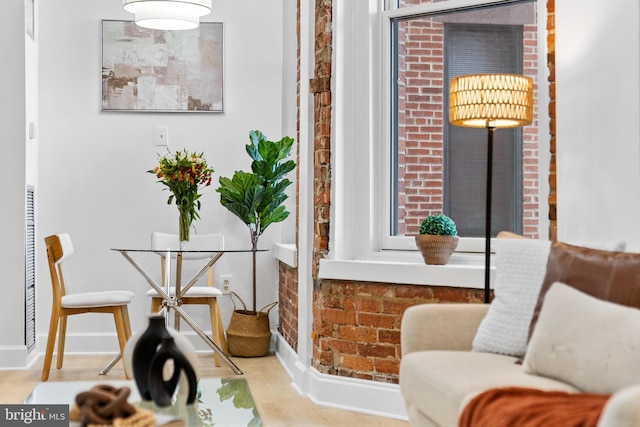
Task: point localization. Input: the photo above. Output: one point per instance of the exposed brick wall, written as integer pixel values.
(551, 63)
(421, 126)
(356, 325)
(420, 123)
(320, 86)
(288, 312)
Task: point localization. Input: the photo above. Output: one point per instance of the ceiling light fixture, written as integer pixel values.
(168, 14)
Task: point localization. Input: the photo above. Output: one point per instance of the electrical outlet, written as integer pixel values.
(226, 280)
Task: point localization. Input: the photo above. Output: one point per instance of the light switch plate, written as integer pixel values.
(161, 136)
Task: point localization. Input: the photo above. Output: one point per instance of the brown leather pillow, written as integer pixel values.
(611, 276)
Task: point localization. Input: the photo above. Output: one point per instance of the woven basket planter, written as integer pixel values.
(436, 249)
(248, 334)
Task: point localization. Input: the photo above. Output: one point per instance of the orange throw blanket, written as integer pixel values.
(526, 407)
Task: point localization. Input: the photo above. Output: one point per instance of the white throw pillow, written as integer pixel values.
(589, 343)
(521, 266)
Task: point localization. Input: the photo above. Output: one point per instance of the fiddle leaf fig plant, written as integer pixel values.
(257, 197)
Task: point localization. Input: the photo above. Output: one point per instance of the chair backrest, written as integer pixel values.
(213, 241)
(59, 247)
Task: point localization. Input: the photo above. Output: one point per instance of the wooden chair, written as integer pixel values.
(65, 304)
(202, 295)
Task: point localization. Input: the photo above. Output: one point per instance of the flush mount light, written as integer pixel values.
(168, 14)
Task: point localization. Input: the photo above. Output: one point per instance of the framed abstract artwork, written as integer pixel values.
(162, 71)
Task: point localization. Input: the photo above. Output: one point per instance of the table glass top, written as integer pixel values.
(176, 250)
(220, 401)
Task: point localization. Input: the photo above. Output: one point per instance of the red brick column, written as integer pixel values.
(551, 62)
(320, 86)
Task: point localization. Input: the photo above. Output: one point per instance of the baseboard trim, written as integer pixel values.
(102, 343)
(352, 394)
(16, 357)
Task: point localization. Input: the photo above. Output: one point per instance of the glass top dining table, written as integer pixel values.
(173, 301)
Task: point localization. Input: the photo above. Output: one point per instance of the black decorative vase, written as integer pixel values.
(161, 390)
(144, 350)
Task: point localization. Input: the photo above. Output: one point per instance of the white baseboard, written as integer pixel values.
(100, 343)
(16, 357)
(97, 343)
(352, 394)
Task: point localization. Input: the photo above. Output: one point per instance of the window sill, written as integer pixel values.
(287, 253)
(464, 270)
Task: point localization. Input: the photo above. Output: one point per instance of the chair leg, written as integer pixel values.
(223, 338)
(156, 304)
(61, 341)
(216, 324)
(51, 341)
(127, 323)
(123, 329)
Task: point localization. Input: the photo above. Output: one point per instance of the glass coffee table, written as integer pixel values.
(220, 402)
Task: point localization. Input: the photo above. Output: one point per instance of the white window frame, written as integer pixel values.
(360, 248)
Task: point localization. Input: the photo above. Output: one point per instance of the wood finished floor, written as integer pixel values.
(277, 401)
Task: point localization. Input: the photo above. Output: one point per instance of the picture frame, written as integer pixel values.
(146, 70)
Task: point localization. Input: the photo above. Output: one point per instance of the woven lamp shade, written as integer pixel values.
(491, 100)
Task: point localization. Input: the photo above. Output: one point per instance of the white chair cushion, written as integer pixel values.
(194, 291)
(97, 299)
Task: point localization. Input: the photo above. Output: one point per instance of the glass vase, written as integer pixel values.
(184, 228)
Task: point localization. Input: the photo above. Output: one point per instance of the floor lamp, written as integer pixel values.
(490, 101)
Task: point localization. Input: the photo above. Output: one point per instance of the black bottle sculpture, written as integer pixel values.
(161, 390)
(144, 350)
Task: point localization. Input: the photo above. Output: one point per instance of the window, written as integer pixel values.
(372, 113)
(435, 167)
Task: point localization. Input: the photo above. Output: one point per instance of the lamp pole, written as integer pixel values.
(487, 230)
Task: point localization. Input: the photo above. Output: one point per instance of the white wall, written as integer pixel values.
(598, 116)
(13, 142)
(92, 176)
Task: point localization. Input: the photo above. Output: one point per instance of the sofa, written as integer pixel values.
(545, 331)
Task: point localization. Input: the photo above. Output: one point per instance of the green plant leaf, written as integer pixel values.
(438, 224)
(256, 197)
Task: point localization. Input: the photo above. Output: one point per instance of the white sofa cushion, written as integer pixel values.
(439, 383)
(590, 343)
(521, 266)
(622, 409)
